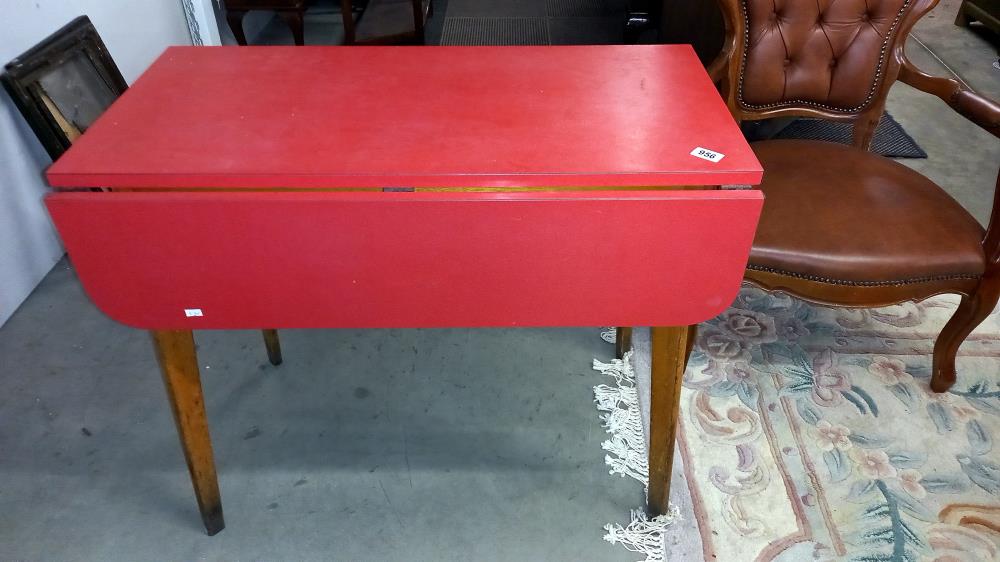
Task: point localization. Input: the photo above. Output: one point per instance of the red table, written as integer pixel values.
(231, 207)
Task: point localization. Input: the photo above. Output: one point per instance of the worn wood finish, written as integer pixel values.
(623, 341)
(178, 361)
(22, 78)
(273, 346)
(668, 359)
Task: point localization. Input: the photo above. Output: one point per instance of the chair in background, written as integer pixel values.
(388, 21)
(291, 11)
(842, 226)
(62, 85)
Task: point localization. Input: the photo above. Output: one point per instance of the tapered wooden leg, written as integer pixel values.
(179, 366)
(668, 350)
(235, 19)
(972, 310)
(623, 341)
(273, 346)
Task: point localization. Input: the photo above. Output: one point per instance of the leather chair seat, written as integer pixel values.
(838, 214)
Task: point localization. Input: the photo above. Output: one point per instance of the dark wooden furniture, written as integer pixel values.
(385, 22)
(986, 12)
(842, 226)
(694, 22)
(291, 11)
(62, 85)
(372, 22)
(221, 223)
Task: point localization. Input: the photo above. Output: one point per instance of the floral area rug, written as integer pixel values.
(810, 433)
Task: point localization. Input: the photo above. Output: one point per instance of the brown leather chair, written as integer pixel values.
(842, 226)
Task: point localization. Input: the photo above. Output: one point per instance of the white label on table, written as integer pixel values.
(706, 154)
(189, 312)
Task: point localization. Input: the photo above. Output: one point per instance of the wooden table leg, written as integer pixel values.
(179, 365)
(669, 350)
(273, 346)
(623, 341)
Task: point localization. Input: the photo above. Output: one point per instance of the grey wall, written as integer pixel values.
(135, 31)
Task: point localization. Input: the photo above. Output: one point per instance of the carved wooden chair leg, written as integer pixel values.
(179, 366)
(668, 358)
(623, 341)
(273, 346)
(970, 313)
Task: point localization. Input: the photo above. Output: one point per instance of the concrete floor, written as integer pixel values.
(363, 445)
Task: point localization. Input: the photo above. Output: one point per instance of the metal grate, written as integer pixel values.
(577, 8)
(495, 31)
(890, 138)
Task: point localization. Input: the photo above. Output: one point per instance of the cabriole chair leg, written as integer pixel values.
(970, 313)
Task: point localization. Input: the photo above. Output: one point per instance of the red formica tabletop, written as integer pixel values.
(333, 117)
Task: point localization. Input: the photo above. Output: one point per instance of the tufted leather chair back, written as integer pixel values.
(820, 58)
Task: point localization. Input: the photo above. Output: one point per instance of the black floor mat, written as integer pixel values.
(890, 138)
(494, 31)
(533, 22)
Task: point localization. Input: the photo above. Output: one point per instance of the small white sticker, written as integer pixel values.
(189, 312)
(706, 154)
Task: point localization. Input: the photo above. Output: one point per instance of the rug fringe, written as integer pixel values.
(622, 419)
(643, 535)
(609, 334)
